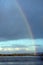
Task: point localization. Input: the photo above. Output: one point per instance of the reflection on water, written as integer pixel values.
(22, 60)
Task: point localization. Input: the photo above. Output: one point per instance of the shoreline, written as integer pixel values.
(22, 54)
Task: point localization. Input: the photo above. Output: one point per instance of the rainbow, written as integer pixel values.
(26, 22)
(27, 25)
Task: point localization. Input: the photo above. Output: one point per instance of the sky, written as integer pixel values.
(21, 24)
(33, 10)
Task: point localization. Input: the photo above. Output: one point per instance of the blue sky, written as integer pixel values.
(21, 23)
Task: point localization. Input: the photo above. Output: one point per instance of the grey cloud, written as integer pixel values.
(11, 22)
(34, 12)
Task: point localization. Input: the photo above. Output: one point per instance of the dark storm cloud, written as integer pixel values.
(34, 13)
(11, 21)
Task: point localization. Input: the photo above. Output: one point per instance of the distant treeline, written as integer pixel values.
(21, 54)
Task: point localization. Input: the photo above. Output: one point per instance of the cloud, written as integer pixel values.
(22, 46)
(33, 9)
(1, 38)
(16, 50)
(11, 22)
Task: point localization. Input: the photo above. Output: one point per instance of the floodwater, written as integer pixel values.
(20, 60)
